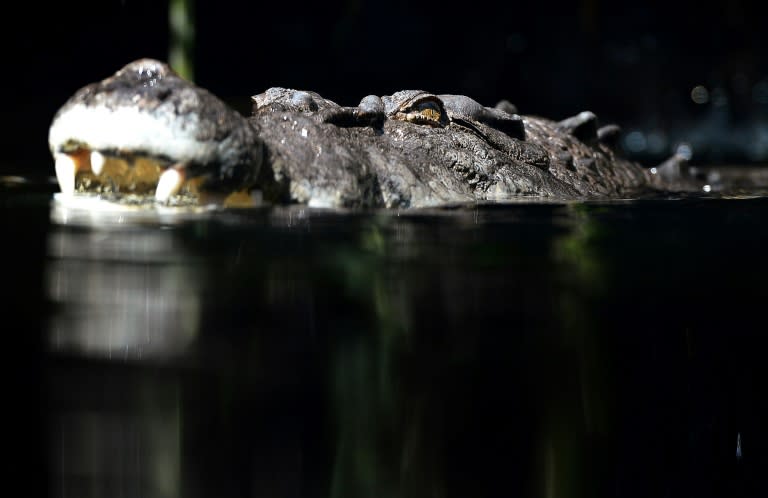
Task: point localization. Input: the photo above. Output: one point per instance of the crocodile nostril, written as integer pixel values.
(303, 102)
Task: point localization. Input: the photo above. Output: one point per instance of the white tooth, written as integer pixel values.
(169, 184)
(97, 162)
(66, 167)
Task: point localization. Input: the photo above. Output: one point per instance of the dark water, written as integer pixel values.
(549, 350)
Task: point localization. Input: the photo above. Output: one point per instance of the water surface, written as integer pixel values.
(522, 350)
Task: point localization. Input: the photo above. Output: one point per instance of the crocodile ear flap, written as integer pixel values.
(582, 126)
(511, 125)
(506, 106)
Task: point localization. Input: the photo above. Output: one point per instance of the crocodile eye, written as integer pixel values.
(427, 112)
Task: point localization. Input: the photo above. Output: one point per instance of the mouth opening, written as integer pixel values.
(138, 179)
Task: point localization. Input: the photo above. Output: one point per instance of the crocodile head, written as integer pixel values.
(145, 135)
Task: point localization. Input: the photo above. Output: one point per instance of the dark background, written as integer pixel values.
(635, 63)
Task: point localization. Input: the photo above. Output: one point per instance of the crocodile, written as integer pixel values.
(147, 136)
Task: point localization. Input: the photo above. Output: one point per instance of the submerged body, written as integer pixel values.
(145, 135)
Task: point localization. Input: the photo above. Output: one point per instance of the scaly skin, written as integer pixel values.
(411, 149)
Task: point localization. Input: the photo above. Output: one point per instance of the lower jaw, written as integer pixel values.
(133, 191)
(94, 209)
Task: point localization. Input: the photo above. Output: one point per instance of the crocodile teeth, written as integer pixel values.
(97, 162)
(66, 168)
(169, 184)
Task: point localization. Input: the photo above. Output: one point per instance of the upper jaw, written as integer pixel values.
(126, 177)
(145, 135)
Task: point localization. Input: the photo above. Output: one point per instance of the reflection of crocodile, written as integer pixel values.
(145, 134)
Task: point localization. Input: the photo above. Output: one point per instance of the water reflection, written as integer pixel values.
(122, 293)
(495, 350)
